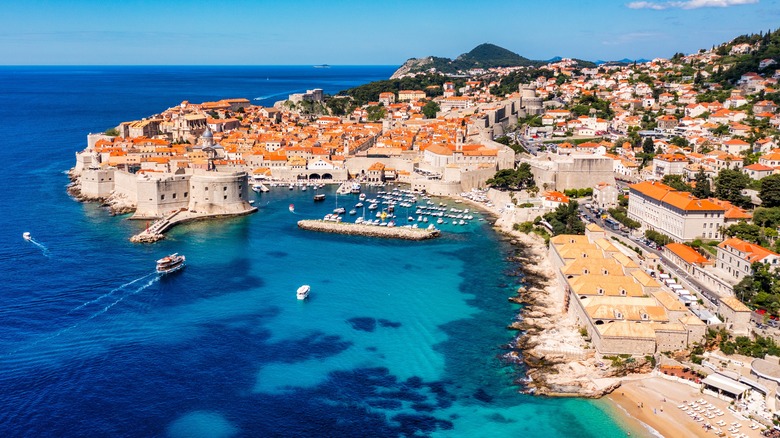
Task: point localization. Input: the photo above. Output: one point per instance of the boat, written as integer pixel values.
(353, 212)
(318, 198)
(26, 235)
(303, 292)
(439, 221)
(362, 197)
(321, 66)
(339, 210)
(171, 263)
(291, 208)
(303, 188)
(373, 207)
(359, 205)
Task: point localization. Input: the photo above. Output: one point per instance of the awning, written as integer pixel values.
(725, 384)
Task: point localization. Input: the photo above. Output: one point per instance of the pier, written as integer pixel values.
(157, 230)
(368, 230)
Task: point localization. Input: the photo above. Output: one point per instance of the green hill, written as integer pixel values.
(490, 55)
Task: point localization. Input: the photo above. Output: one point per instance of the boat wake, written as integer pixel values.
(91, 317)
(111, 292)
(42, 247)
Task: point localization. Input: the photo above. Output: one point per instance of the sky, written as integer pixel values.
(369, 32)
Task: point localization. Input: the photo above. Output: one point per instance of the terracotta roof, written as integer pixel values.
(687, 253)
(681, 200)
(753, 252)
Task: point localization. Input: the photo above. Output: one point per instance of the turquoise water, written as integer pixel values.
(397, 338)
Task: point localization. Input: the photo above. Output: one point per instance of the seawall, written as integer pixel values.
(368, 230)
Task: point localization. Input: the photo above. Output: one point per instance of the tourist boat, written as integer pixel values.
(319, 198)
(26, 235)
(303, 292)
(171, 263)
(291, 208)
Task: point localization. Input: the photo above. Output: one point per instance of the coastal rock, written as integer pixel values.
(412, 65)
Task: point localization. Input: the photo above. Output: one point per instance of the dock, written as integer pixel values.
(368, 230)
(156, 231)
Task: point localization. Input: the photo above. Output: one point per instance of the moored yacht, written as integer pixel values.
(303, 292)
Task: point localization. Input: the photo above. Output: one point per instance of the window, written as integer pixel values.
(207, 188)
(224, 197)
(224, 189)
(185, 194)
(174, 196)
(162, 197)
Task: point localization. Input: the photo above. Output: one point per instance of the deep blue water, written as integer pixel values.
(398, 338)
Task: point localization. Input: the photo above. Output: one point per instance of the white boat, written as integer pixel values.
(353, 212)
(303, 292)
(340, 210)
(171, 263)
(373, 207)
(292, 186)
(26, 235)
(359, 205)
(439, 221)
(362, 197)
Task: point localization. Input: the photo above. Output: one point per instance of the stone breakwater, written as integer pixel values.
(368, 230)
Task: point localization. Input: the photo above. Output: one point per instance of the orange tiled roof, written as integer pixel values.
(681, 200)
(754, 253)
(687, 253)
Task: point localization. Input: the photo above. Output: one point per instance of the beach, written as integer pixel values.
(654, 401)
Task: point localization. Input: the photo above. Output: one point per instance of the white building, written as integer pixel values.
(679, 215)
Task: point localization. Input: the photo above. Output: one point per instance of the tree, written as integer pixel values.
(729, 185)
(647, 146)
(519, 179)
(770, 191)
(376, 112)
(767, 217)
(676, 182)
(566, 219)
(702, 189)
(430, 109)
(112, 132)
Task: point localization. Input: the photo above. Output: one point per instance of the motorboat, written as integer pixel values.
(171, 263)
(26, 235)
(339, 210)
(353, 212)
(303, 292)
(373, 207)
(362, 197)
(439, 221)
(318, 198)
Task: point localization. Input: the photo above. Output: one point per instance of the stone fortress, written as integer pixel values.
(202, 192)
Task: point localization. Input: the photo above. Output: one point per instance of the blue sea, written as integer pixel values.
(397, 338)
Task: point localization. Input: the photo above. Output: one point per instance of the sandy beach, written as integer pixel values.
(654, 401)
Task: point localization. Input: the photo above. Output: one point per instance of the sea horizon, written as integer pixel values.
(397, 338)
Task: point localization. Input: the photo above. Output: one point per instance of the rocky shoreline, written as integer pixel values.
(116, 203)
(558, 360)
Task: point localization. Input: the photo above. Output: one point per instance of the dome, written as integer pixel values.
(207, 134)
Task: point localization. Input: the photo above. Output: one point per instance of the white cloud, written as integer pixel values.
(689, 4)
